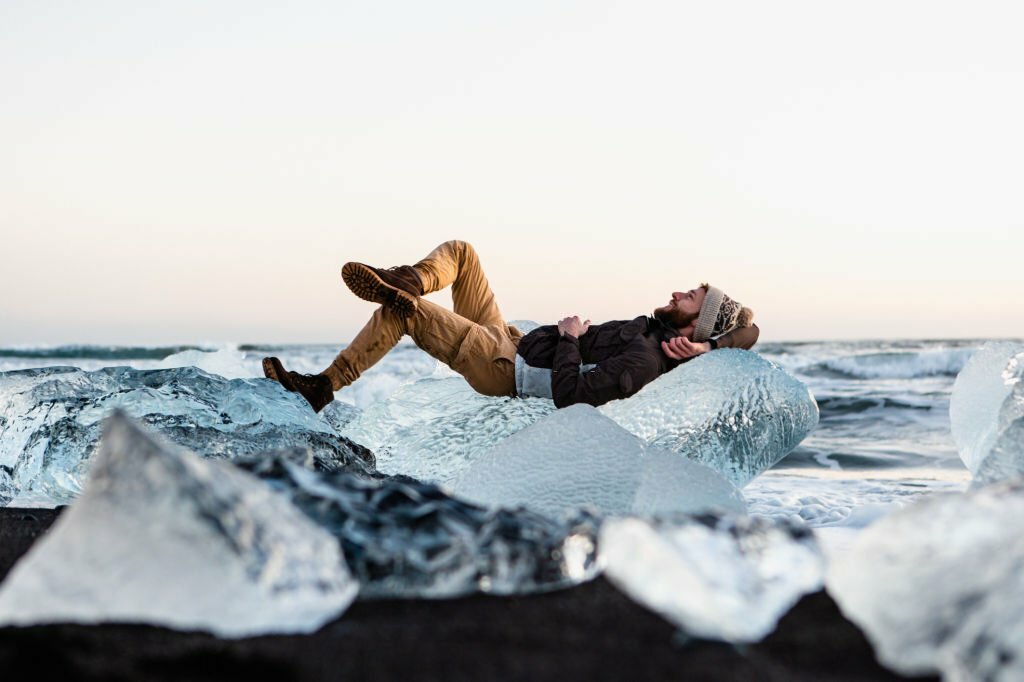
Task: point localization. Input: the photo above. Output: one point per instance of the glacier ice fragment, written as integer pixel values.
(405, 538)
(50, 422)
(986, 412)
(161, 536)
(729, 409)
(578, 457)
(937, 586)
(723, 578)
(433, 428)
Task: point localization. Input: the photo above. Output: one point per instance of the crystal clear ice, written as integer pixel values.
(986, 412)
(937, 586)
(731, 410)
(50, 422)
(161, 536)
(405, 538)
(577, 457)
(716, 577)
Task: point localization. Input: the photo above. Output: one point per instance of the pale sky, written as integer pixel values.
(199, 171)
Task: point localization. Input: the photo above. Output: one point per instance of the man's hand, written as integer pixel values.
(681, 348)
(573, 327)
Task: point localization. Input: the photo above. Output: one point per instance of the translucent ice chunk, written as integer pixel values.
(987, 403)
(729, 409)
(433, 428)
(160, 536)
(404, 538)
(670, 482)
(728, 578)
(578, 457)
(937, 585)
(50, 421)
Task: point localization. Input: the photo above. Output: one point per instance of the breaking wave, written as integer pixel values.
(894, 365)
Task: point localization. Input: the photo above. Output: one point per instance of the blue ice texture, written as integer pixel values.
(161, 536)
(729, 409)
(986, 412)
(577, 457)
(937, 588)
(50, 422)
(728, 578)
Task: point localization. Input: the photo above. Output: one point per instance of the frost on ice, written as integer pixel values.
(50, 422)
(986, 412)
(404, 538)
(577, 457)
(937, 586)
(731, 410)
(161, 536)
(724, 578)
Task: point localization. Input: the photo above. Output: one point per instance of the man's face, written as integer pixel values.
(682, 309)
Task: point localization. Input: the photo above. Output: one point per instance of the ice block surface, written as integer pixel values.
(50, 422)
(717, 577)
(986, 412)
(162, 536)
(577, 457)
(937, 585)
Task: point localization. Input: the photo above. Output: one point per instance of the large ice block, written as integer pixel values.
(161, 536)
(433, 428)
(50, 422)
(730, 409)
(986, 412)
(577, 457)
(937, 585)
(404, 538)
(724, 578)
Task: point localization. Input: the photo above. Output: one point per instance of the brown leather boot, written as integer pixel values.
(315, 388)
(397, 288)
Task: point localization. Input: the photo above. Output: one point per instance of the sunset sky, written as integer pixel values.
(199, 171)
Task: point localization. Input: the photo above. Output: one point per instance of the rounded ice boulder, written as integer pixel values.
(731, 410)
(50, 422)
(577, 457)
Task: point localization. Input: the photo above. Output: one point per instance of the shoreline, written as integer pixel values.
(589, 631)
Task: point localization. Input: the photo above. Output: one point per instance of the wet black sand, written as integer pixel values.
(589, 632)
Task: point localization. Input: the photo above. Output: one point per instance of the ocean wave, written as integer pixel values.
(86, 352)
(841, 405)
(894, 365)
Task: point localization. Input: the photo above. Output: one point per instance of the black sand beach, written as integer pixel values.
(589, 632)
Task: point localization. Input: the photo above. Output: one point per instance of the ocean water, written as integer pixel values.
(883, 440)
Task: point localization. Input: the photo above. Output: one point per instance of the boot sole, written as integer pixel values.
(269, 369)
(362, 281)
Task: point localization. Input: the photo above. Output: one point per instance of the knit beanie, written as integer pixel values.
(720, 314)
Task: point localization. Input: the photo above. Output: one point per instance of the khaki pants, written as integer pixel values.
(473, 340)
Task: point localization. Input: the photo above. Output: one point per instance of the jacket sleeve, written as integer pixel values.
(743, 337)
(617, 377)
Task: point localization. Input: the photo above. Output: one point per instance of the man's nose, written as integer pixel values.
(676, 295)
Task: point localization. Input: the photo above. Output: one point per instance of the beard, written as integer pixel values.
(674, 317)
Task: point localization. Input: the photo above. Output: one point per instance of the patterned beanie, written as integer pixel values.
(719, 314)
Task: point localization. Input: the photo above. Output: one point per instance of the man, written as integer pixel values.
(571, 362)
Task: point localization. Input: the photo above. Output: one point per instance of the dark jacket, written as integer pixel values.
(627, 353)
